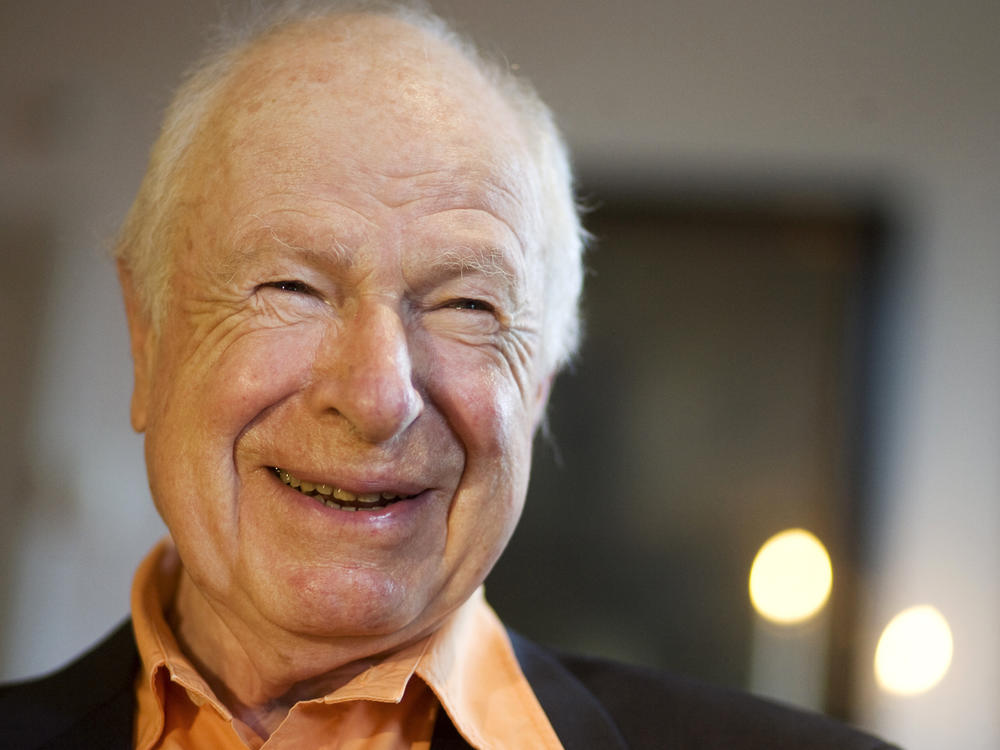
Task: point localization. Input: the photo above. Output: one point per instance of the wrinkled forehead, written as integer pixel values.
(363, 98)
(385, 93)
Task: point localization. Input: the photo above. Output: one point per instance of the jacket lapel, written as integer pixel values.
(88, 704)
(108, 726)
(579, 720)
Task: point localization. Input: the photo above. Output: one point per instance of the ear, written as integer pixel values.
(140, 331)
(542, 398)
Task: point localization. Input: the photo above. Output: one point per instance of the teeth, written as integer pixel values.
(330, 495)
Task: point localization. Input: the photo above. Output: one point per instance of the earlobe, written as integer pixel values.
(137, 410)
(141, 337)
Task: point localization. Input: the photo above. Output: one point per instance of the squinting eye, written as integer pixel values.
(290, 285)
(470, 304)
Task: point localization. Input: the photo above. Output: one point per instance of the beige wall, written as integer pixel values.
(897, 99)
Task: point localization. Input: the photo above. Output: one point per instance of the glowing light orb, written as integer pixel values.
(791, 577)
(914, 652)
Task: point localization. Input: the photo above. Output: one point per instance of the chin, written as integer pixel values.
(355, 604)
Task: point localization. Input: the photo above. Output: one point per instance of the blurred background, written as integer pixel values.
(794, 323)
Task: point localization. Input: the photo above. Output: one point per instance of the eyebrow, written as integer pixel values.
(259, 241)
(263, 239)
(489, 261)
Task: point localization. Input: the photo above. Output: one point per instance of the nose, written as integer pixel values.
(364, 373)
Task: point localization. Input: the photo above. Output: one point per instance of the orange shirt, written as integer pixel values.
(467, 668)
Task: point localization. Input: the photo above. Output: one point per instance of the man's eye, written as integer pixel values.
(290, 285)
(470, 304)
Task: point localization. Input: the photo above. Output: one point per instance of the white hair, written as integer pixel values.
(147, 236)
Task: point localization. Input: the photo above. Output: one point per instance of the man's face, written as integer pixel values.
(353, 309)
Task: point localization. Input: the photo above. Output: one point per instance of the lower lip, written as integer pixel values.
(397, 513)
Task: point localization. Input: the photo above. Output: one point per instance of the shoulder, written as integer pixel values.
(92, 696)
(651, 709)
(645, 704)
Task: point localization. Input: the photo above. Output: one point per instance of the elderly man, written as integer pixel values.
(350, 276)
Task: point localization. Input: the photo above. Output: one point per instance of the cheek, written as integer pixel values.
(253, 373)
(488, 415)
(478, 390)
(259, 374)
(204, 404)
(207, 400)
(485, 410)
(490, 418)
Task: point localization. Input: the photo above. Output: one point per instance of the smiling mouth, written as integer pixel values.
(334, 497)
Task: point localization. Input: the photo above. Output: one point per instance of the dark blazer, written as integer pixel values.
(592, 704)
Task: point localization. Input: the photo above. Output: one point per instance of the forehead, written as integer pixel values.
(368, 97)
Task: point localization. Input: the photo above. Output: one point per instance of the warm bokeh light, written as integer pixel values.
(791, 577)
(914, 652)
